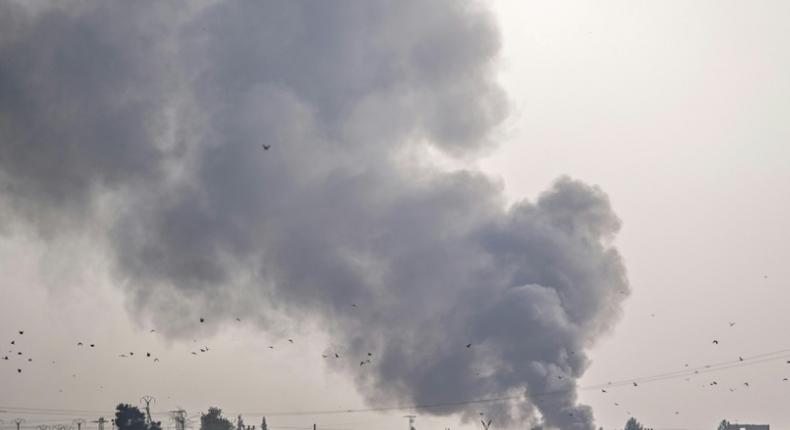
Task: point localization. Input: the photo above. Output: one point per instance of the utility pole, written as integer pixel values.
(19, 422)
(486, 424)
(79, 422)
(101, 422)
(180, 418)
(148, 400)
(411, 421)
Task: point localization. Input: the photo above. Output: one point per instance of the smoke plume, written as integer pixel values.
(146, 120)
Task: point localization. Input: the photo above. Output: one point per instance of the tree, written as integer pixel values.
(263, 424)
(239, 423)
(724, 425)
(128, 417)
(213, 420)
(633, 424)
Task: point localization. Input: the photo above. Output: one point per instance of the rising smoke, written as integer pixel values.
(158, 112)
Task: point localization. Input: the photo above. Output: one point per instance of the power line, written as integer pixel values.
(685, 372)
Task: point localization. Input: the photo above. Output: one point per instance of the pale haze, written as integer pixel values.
(464, 202)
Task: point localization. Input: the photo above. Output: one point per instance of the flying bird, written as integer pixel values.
(194, 353)
(740, 358)
(202, 320)
(18, 370)
(13, 342)
(21, 332)
(337, 355)
(238, 319)
(291, 340)
(265, 147)
(732, 323)
(156, 360)
(79, 343)
(716, 342)
(635, 384)
(746, 384)
(468, 345)
(147, 354)
(602, 390)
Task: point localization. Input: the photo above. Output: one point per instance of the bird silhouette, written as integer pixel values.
(29, 360)
(79, 343)
(93, 345)
(156, 360)
(635, 384)
(202, 320)
(291, 340)
(370, 354)
(337, 355)
(716, 342)
(361, 363)
(746, 384)
(194, 353)
(238, 319)
(13, 342)
(18, 370)
(468, 345)
(732, 323)
(271, 347)
(21, 332)
(602, 390)
(740, 358)
(266, 147)
(147, 354)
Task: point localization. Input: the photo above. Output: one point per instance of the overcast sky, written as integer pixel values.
(669, 117)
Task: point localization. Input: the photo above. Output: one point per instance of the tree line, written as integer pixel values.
(128, 417)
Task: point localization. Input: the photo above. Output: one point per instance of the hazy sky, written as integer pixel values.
(677, 111)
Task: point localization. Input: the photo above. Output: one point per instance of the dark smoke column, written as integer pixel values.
(157, 150)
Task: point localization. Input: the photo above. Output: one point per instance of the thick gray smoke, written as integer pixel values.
(148, 118)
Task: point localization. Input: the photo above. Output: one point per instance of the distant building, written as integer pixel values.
(748, 427)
